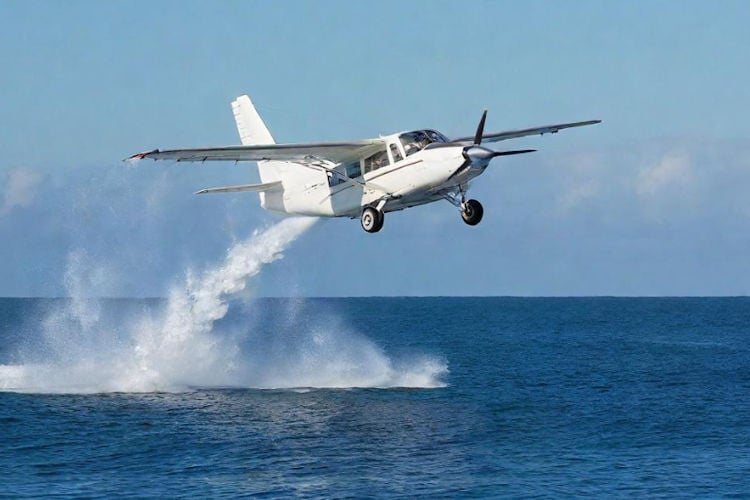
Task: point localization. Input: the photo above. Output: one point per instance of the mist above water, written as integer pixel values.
(84, 347)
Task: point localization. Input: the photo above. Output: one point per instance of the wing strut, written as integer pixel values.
(258, 188)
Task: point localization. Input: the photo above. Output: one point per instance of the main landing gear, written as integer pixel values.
(372, 219)
(471, 212)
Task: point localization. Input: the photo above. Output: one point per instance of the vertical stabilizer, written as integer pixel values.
(253, 132)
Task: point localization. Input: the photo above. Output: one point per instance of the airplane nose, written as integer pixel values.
(475, 157)
(478, 157)
(478, 154)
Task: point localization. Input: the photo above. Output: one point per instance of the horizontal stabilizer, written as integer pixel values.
(271, 186)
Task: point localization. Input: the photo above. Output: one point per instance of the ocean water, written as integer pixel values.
(387, 397)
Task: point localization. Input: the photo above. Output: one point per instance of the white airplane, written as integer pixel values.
(364, 178)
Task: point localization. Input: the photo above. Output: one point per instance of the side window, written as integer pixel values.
(374, 162)
(353, 170)
(334, 178)
(396, 153)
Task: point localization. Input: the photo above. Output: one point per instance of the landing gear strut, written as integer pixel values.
(471, 212)
(372, 219)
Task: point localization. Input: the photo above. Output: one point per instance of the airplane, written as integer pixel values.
(363, 178)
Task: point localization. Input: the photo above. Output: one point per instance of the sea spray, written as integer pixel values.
(178, 349)
(89, 348)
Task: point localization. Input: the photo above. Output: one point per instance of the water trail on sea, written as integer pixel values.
(85, 348)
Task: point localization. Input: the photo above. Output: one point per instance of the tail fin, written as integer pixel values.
(252, 132)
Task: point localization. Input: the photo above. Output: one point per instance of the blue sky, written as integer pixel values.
(652, 202)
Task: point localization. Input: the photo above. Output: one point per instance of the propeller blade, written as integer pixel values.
(466, 164)
(480, 129)
(483, 154)
(515, 152)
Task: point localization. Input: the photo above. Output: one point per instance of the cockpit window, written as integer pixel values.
(436, 136)
(416, 141)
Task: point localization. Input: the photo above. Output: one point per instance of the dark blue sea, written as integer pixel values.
(376, 397)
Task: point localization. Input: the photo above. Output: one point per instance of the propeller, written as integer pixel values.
(480, 129)
(478, 154)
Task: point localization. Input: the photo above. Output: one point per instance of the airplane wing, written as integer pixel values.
(335, 152)
(513, 134)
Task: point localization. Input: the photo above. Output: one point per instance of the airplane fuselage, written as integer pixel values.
(422, 177)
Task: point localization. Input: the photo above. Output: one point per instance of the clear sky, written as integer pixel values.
(654, 201)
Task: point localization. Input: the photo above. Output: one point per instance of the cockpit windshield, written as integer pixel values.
(418, 140)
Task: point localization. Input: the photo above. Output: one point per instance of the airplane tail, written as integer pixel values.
(254, 132)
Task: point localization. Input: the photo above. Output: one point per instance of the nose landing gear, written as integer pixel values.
(472, 212)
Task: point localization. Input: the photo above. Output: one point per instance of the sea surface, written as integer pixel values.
(376, 397)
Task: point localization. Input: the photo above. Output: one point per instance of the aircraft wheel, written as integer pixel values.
(472, 212)
(372, 220)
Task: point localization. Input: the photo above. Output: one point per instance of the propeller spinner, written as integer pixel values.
(478, 156)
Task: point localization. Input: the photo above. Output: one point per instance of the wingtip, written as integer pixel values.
(140, 156)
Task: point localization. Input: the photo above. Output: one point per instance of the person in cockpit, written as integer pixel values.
(415, 141)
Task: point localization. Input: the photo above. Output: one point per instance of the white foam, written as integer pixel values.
(87, 352)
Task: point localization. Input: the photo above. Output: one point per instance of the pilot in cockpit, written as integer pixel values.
(417, 143)
(411, 148)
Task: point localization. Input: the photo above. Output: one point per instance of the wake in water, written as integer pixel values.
(180, 347)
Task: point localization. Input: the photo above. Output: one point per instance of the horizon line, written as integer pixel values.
(403, 297)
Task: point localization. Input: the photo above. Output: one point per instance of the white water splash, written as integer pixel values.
(86, 351)
(179, 349)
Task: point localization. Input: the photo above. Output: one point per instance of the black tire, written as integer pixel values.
(472, 212)
(372, 220)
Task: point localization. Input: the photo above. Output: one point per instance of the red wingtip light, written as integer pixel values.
(141, 156)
